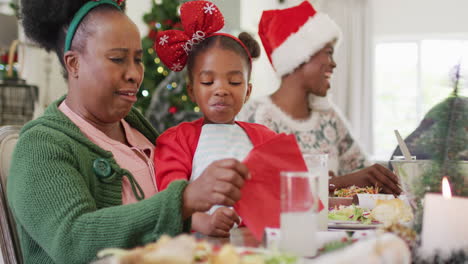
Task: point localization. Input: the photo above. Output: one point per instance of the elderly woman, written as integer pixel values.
(81, 175)
(300, 43)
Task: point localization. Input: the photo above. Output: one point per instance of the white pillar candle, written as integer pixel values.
(444, 223)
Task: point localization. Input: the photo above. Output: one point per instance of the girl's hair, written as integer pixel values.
(46, 22)
(227, 43)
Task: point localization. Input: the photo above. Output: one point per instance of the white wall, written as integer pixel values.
(135, 10)
(5, 9)
(395, 18)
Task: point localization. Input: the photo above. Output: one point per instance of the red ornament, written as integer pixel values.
(168, 22)
(172, 109)
(153, 34)
(178, 26)
(4, 58)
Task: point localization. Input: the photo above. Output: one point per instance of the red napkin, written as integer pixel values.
(260, 203)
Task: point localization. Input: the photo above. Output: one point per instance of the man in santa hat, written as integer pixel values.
(300, 43)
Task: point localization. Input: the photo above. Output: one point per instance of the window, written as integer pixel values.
(410, 77)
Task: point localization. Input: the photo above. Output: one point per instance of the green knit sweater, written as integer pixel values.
(65, 213)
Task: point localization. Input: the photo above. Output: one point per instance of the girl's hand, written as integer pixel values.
(219, 184)
(221, 221)
(375, 175)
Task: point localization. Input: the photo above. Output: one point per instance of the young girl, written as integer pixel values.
(219, 67)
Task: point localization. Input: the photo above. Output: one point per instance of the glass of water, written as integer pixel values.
(317, 165)
(299, 213)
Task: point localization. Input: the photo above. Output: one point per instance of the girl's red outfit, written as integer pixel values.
(176, 148)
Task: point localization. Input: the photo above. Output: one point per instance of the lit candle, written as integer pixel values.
(444, 222)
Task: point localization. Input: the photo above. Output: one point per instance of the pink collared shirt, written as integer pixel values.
(140, 166)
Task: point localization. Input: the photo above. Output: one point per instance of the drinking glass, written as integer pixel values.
(299, 214)
(317, 165)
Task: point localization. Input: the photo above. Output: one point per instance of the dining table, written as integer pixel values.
(369, 246)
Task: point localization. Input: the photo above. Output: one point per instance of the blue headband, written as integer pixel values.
(82, 12)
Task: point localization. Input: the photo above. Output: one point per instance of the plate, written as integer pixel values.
(351, 225)
(368, 201)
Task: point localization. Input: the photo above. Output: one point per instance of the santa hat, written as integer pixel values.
(291, 36)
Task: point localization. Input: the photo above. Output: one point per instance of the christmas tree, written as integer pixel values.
(163, 96)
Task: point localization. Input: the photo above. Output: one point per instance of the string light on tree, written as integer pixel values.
(164, 106)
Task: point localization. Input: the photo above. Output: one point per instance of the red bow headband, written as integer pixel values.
(201, 20)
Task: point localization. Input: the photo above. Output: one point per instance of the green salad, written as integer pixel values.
(281, 259)
(350, 213)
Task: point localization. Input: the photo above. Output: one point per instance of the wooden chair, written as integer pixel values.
(9, 241)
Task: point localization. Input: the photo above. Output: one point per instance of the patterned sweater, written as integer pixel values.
(65, 210)
(324, 131)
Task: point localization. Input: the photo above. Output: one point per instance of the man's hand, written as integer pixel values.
(375, 175)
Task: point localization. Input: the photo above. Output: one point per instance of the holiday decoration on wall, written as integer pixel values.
(4, 66)
(163, 97)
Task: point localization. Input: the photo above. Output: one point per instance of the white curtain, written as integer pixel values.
(351, 83)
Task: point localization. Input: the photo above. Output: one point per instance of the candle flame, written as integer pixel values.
(446, 192)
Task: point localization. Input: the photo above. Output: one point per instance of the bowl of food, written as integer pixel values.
(348, 196)
(353, 190)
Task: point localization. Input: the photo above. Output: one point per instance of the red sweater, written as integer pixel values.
(176, 147)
